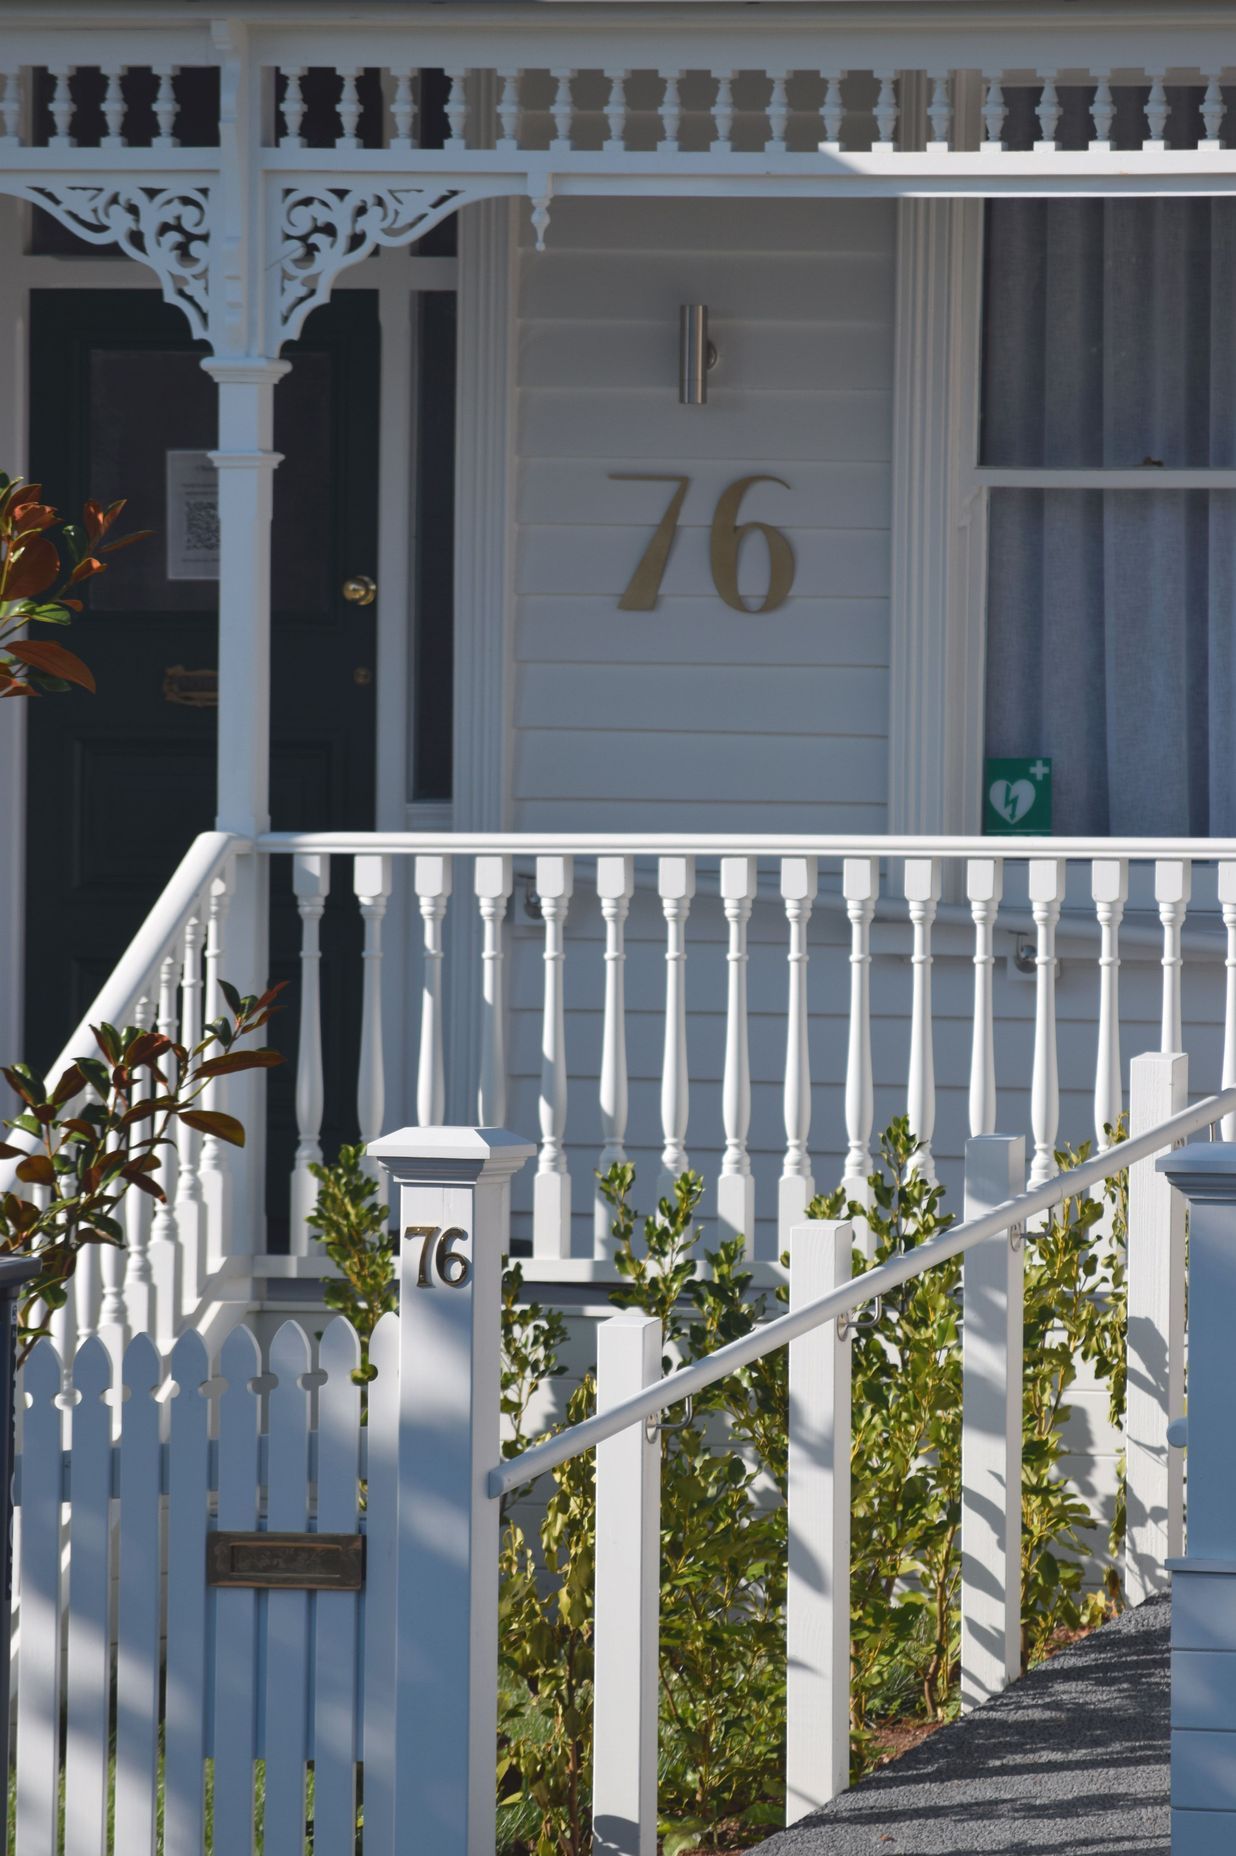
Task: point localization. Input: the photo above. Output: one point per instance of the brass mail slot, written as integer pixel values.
(293, 1562)
(191, 689)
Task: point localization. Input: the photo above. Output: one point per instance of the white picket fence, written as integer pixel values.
(128, 1653)
(112, 1589)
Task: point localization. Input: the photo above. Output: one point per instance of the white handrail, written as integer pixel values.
(769, 1335)
(202, 861)
(721, 844)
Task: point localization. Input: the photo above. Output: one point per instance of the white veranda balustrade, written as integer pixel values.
(730, 924)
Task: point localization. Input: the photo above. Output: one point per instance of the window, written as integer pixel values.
(1108, 449)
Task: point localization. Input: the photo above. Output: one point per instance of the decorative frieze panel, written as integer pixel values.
(167, 228)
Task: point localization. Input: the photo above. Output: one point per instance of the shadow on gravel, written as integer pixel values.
(1070, 1761)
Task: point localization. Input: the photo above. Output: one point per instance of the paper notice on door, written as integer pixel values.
(192, 516)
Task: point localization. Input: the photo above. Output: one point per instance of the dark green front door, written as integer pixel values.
(119, 782)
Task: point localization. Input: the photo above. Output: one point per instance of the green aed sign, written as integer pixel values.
(1017, 798)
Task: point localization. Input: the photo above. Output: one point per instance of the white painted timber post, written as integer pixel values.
(817, 1618)
(452, 1185)
(991, 1419)
(1159, 1087)
(1173, 883)
(676, 886)
(626, 1679)
(736, 1186)
(371, 885)
(1227, 898)
(1204, 1582)
(245, 462)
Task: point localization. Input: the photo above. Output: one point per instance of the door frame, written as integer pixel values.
(396, 277)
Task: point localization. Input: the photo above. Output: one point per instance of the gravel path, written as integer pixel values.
(1070, 1761)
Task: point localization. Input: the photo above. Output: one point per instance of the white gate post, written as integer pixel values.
(1154, 1473)
(1204, 1582)
(452, 1201)
(626, 1679)
(991, 1420)
(817, 1613)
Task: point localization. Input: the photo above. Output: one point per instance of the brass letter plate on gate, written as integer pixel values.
(287, 1562)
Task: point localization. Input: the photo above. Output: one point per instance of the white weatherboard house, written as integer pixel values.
(693, 607)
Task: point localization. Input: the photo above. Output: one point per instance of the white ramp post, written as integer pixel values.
(991, 1419)
(817, 1619)
(452, 1202)
(626, 1684)
(1154, 1474)
(1204, 1583)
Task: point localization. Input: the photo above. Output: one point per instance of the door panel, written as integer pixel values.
(120, 782)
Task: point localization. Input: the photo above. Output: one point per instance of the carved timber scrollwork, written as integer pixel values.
(322, 229)
(167, 228)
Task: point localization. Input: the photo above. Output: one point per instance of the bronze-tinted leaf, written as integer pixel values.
(240, 1060)
(37, 1170)
(45, 654)
(213, 1121)
(32, 566)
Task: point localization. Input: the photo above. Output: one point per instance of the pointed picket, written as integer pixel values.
(89, 1659)
(137, 1623)
(38, 1692)
(235, 1635)
(335, 1726)
(287, 1613)
(184, 1708)
(381, 1516)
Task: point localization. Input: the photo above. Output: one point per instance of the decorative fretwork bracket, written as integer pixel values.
(321, 229)
(164, 227)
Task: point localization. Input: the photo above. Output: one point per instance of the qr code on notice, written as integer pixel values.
(201, 525)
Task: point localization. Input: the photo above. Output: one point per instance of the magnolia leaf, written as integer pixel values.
(213, 1121)
(32, 566)
(240, 1060)
(45, 655)
(37, 1170)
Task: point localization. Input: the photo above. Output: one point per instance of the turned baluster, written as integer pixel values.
(508, 110)
(940, 115)
(778, 115)
(551, 1188)
(432, 882)
(615, 886)
(1046, 896)
(1109, 886)
(10, 105)
(833, 114)
(349, 110)
(403, 109)
(922, 890)
(164, 1248)
(886, 116)
(1227, 899)
(1213, 111)
(616, 112)
(1156, 114)
(736, 1187)
(310, 885)
(1048, 113)
(984, 888)
(723, 113)
(1173, 881)
(796, 1189)
(676, 887)
(457, 110)
(1102, 115)
(137, 1310)
(293, 107)
(371, 885)
(563, 109)
(491, 883)
(113, 107)
(165, 106)
(189, 1218)
(671, 111)
(61, 106)
(213, 1165)
(860, 885)
(994, 113)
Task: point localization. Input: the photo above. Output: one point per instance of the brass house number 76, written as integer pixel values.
(439, 1257)
(724, 542)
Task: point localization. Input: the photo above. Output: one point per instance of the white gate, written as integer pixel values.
(155, 1708)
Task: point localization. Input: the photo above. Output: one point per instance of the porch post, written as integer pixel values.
(245, 462)
(1204, 1581)
(453, 1195)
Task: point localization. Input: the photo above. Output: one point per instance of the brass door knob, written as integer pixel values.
(360, 590)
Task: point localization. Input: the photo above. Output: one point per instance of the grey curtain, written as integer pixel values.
(1110, 339)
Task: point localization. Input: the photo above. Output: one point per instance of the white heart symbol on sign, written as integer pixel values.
(1012, 800)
